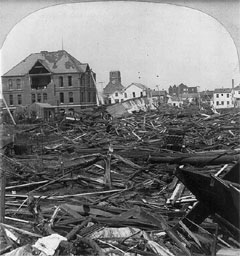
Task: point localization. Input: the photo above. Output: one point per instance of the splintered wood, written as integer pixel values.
(107, 186)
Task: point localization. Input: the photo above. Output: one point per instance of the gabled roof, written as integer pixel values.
(223, 90)
(141, 86)
(55, 62)
(113, 87)
(237, 88)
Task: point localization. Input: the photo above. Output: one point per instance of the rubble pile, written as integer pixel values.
(98, 185)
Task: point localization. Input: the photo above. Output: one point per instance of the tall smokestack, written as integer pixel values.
(232, 83)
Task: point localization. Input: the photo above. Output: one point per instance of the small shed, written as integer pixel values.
(43, 111)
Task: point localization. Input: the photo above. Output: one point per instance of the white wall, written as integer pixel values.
(133, 89)
(116, 97)
(222, 100)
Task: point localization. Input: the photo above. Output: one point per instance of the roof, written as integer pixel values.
(141, 86)
(113, 87)
(237, 87)
(223, 90)
(54, 62)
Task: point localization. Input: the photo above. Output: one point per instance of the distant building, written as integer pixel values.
(236, 96)
(135, 90)
(56, 78)
(181, 89)
(175, 101)
(222, 98)
(159, 96)
(113, 92)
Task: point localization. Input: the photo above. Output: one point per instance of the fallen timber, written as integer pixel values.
(215, 195)
(107, 186)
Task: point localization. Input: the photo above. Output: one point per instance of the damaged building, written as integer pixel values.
(54, 78)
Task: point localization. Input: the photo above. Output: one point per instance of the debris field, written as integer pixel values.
(150, 183)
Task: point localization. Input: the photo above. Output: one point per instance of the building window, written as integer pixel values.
(61, 95)
(141, 94)
(125, 95)
(228, 95)
(60, 81)
(19, 98)
(39, 97)
(93, 97)
(18, 83)
(10, 99)
(217, 103)
(222, 102)
(70, 94)
(116, 94)
(222, 94)
(82, 97)
(69, 81)
(10, 84)
(217, 95)
(134, 95)
(89, 96)
(227, 102)
(33, 98)
(44, 97)
(117, 101)
(238, 92)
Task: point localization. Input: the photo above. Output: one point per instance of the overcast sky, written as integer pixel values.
(162, 44)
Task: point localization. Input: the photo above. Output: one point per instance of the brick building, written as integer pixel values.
(56, 78)
(181, 89)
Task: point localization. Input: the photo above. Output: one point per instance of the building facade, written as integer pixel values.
(181, 89)
(135, 90)
(222, 98)
(56, 78)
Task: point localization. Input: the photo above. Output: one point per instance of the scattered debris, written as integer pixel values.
(147, 183)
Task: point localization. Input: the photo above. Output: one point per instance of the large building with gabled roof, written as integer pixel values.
(56, 78)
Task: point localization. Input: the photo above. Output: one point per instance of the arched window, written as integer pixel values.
(10, 84)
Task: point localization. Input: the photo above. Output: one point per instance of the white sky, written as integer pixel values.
(163, 44)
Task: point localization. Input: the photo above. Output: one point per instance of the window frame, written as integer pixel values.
(69, 80)
(60, 81)
(11, 100)
(19, 83)
(19, 99)
(61, 97)
(10, 84)
(70, 97)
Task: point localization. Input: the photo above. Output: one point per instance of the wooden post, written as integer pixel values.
(2, 182)
(2, 195)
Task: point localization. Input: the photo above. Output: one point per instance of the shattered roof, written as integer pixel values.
(223, 90)
(113, 87)
(54, 62)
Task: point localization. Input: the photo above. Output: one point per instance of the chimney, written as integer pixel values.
(232, 83)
